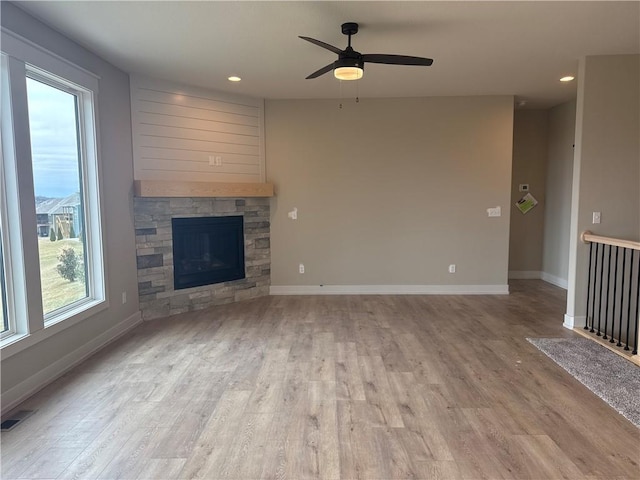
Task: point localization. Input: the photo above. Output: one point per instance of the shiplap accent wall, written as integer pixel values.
(185, 133)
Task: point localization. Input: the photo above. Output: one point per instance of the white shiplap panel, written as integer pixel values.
(199, 167)
(180, 112)
(184, 133)
(178, 155)
(198, 102)
(206, 147)
(200, 124)
(177, 129)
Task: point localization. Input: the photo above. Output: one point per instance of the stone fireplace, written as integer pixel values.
(154, 253)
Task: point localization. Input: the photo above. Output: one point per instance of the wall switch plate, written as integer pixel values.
(293, 214)
(124, 297)
(494, 212)
(301, 268)
(215, 160)
(452, 268)
(596, 217)
(523, 187)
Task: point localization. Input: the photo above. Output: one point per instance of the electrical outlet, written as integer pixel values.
(494, 212)
(301, 268)
(452, 268)
(523, 187)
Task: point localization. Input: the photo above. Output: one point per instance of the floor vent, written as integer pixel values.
(14, 419)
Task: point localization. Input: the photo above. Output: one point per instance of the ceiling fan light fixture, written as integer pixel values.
(348, 69)
(348, 73)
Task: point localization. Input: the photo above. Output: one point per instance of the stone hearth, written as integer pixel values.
(154, 252)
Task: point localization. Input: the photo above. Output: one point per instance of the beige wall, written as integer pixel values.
(557, 211)
(529, 166)
(606, 174)
(390, 191)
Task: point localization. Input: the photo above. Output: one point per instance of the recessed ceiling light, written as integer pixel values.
(233, 78)
(568, 78)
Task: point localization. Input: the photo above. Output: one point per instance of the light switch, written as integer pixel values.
(596, 217)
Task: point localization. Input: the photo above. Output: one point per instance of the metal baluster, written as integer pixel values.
(598, 245)
(586, 326)
(635, 342)
(626, 347)
(606, 296)
(598, 333)
(593, 297)
(624, 265)
(615, 284)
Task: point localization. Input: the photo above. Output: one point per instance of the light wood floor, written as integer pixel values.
(346, 387)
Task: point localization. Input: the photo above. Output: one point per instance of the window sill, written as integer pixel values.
(20, 341)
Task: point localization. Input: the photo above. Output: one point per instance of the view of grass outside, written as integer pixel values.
(56, 291)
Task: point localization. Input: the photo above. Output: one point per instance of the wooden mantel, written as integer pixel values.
(157, 188)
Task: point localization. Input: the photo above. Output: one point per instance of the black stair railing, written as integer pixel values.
(613, 290)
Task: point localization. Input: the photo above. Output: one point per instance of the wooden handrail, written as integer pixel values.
(588, 237)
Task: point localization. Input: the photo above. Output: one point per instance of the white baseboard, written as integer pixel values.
(557, 281)
(525, 274)
(389, 290)
(572, 322)
(14, 396)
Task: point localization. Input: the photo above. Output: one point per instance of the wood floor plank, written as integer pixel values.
(323, 417)
(348, 379)
(165, 468)
(381, 404)
(323, 357)
(209, 455)
(356, 387)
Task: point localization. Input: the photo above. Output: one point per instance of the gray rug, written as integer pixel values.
(612, 378)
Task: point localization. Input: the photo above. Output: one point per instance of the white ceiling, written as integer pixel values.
(479, 48)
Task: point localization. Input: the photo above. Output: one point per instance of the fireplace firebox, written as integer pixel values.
(207, 250)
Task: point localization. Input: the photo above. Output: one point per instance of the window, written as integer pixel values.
(51, 261)
(57, 183)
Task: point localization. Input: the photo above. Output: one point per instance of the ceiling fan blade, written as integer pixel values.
(322, 71)
(331, 48)
(396, 59)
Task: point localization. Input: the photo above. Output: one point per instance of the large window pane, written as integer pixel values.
(57, 179)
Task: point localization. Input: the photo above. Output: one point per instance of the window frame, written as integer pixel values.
(5, 260)
(23, 59)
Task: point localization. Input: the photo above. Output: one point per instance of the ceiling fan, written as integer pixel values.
(350, 64)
